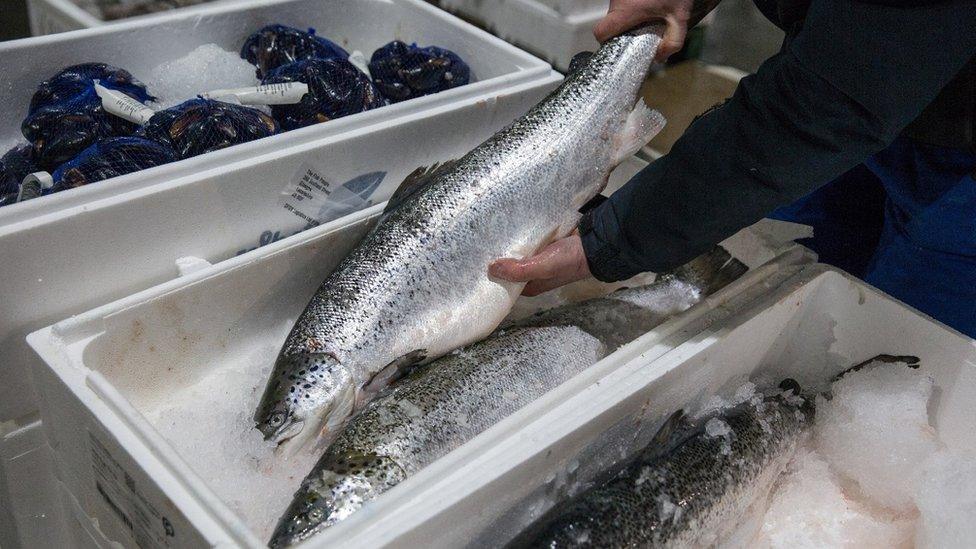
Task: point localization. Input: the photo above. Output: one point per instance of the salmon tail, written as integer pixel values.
(711, 271)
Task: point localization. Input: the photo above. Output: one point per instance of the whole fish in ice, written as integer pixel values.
(691, 487)
(441, 406)
(428, 414)
(417, 286)
(628, 313)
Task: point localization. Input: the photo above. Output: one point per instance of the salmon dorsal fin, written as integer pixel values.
(414, 182)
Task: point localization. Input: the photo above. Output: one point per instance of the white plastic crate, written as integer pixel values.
(141, 44)
(63, 263)
(537, 26)
(106, 371)
(54, 16)
(30, 510)
(813, 325)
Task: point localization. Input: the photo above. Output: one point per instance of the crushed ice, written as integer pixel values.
(207, 68)
(875, 473)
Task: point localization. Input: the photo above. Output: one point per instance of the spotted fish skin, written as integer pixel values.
(417, 285)
(426, 415)
(691, 491)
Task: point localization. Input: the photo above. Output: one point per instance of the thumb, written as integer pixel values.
(673, 39)
(617, 21)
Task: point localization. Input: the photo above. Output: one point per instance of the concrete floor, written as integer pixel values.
(740, 36)
(13, 19)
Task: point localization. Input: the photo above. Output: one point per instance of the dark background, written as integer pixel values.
(13, 19)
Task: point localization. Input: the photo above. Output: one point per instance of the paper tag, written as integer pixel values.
(313, 198)
(123, 106)
(284, 93)
(120, 493)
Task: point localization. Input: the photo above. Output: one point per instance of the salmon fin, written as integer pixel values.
(413, 183)
(711, 271)
(579, 61)
(676, 422)
(395, 371)
(592, 203)
(642, 124)
(908, 361)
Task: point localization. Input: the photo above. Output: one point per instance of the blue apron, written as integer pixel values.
(905, 222)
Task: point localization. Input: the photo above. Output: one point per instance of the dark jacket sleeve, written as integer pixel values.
(842, 90)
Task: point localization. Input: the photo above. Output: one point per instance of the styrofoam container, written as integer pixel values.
(30, 509)
(139, 45)
(104, 372)
(53, 16)
(815, 324)
(537, 26)
(569, 7)
(63, 263)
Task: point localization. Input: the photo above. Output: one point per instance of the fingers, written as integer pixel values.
(557, 264)
(622, 19)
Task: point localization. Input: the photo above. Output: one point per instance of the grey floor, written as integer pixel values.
(13, 19)
(740, 36)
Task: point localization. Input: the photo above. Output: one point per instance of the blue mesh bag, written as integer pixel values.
(336, 88)
(66, 114)
(79, 79)
(404, 71)
(15, 165)
(199, 126)
(110, 158)
(277, 45)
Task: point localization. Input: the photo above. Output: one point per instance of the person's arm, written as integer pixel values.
(677, 15)
(850, 81)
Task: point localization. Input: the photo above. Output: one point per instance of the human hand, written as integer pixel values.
(556, 265)
(677, 15)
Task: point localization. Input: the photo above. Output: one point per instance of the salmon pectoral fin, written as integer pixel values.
(414, 182)
(642, 124)
(395, 371)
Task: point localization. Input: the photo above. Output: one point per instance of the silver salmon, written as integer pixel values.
(417, 286)
(428, 414)
(442, 405)
(692, 487)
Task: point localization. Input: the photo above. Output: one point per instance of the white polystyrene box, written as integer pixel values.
(141, 44)
(55, 264)
(536, 26)
(53, 16)
(103, 371)
(815, 324)
(61, 263)
(30, 510)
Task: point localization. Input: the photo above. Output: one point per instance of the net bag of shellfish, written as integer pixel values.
(15, 165)
(66, 114)
(110, 158)
(336, 88)
(274, 46)
(404, 71)
(200, 126)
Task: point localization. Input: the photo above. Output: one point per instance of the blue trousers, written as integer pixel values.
(905, 222)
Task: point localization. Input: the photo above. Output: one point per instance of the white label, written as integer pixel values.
(316, 200)
(284, 93)
(123, 106)
(120, 493)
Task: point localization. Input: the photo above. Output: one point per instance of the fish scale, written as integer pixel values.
(417, 286)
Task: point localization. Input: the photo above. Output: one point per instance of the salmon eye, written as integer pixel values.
(276, 419)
